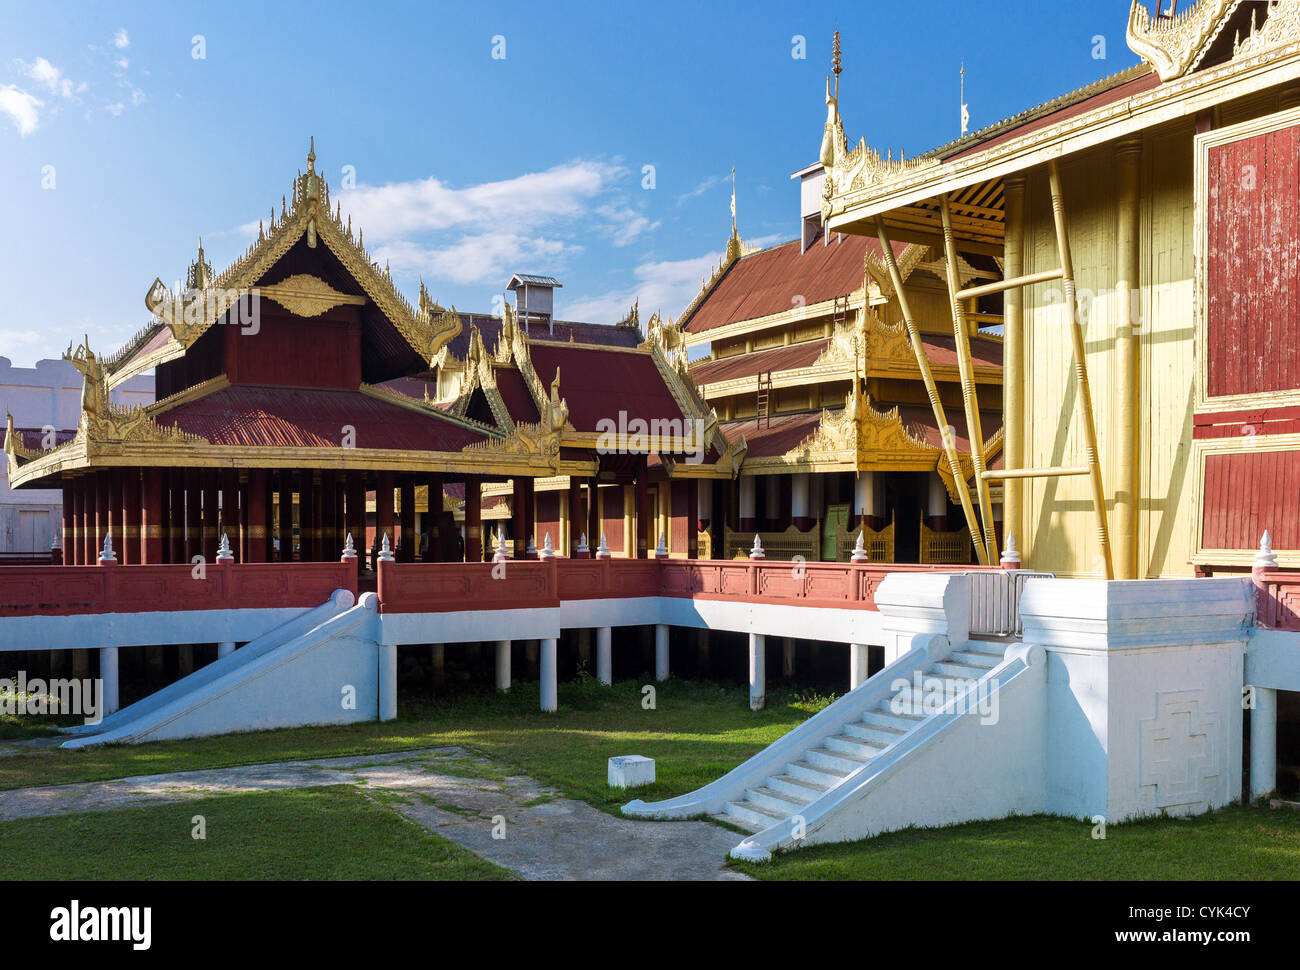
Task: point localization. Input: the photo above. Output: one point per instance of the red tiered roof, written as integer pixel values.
(292, 417)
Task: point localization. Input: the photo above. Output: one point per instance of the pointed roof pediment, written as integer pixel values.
(1208, 32)
(180, 318)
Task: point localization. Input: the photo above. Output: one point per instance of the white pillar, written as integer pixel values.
(109, 676)
(799, 495)
(387, 681)
(857, 664)
(661, 651)
(704, 501)
(503, 665)
(746, 497)
(787, 657)
(225, 649)
(1263, 742)
(604, 656)
(937, 502)
(550, 688)
(438, 660)
(864, 497)
(757, 672)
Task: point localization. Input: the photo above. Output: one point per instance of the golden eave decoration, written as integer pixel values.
(308, 296)
(1175, 45)
(992, 448)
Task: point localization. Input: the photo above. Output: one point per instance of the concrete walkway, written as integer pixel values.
(511, 821)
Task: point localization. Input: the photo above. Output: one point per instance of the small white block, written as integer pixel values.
(631, 771)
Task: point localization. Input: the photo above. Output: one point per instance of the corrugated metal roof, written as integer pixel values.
(775, 436)
(776, 279)
(748, 365)
(525, 279)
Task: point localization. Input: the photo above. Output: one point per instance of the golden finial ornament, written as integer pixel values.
(836, 62)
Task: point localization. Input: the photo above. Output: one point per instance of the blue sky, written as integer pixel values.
(467, 166)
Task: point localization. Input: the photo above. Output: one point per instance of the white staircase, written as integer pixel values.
(818, 770)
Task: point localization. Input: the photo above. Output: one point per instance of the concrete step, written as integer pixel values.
(959, 669)
(796, 787)
(840, 761)
(747, 814)
(884, 718)
(882, 736)
(849, 744)
(977, 658)
(769, 798)
(818, 774)
(725, 816)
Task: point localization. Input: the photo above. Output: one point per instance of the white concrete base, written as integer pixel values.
(631, 771)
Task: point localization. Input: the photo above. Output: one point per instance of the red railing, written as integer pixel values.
(1278, 601)
(447, 587)
(71, 590)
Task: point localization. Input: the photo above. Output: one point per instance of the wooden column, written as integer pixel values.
(473, 520)
(433, 515)
(211, 516)
(575, 518)
(112, 522)
(131, 517)
(407, 549)
(75, 490)
(530, 511)
(593, 517)
(642, 513)
(65, 545)
(1013, 358)
(253, 513)
(1128, 355)
(331, 546)
(284, 525)
(519, 516)
(308, 516)
(692, 517)
(356, 514)
(193, 514)
(152, 505)
(384, 509)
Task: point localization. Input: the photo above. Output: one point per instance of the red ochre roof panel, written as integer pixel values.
(940, 350)
(564, 332)
(775, 437)
(287, 417)
(515, 395)
(599, 384)
(748, 365)
(776, 279)
(919, 421)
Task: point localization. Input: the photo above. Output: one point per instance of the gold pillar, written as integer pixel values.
(1128, 354)
(1013, 365)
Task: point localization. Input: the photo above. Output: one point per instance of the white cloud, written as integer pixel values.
(483, 258)
(713, 181)
(664, 286)
(624, 224)
(115, 109)
(402, 208)
(51, 78)
(121, 40)
(23, 109)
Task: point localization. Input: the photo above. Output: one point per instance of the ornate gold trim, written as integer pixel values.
(308, 296)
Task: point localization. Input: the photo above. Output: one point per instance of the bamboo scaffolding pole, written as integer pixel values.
(959, 480)
(961, 337)
(1084, 394)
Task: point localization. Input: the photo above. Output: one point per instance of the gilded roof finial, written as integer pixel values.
(836, 67)
(311, 155)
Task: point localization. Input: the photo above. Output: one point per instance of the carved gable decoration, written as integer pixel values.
(308, 296)
(1176, 45)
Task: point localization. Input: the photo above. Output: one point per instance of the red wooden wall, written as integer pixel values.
(1248, 493)
(1253, 265)
(612, 523)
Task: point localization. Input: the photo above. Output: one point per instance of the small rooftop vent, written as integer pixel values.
(534, 299)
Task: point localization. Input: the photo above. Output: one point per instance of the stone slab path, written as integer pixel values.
(512, 821)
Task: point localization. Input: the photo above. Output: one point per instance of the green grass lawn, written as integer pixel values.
(1237, 842)
(307, 833)
(697, 731)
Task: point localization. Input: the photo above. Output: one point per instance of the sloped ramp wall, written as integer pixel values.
(326, 674)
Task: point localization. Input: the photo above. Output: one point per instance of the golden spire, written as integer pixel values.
(311, 155)
(836, 67)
